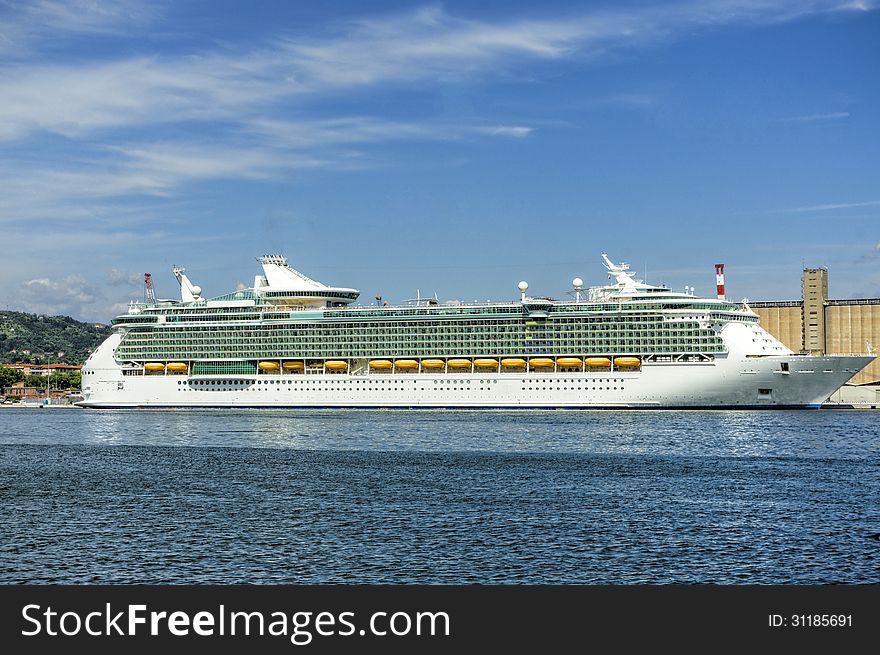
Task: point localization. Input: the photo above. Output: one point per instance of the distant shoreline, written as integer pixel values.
(28, 406)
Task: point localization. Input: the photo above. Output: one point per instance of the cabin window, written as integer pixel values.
(784, 366)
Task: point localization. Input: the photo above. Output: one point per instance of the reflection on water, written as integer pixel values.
(279, 496)
(716, 433)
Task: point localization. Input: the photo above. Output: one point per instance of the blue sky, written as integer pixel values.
(453, 147)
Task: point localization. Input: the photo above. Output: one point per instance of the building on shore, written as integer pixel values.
(19, 390)
(818, 325)
(42, 369)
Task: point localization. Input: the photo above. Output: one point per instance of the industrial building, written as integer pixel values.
(818, 325)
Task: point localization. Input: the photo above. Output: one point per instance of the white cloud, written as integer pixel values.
(71, 295)
(812, 118)
(425, 45)
(830, 206)
(250, 112)
(119, 277)
(350, 130)
(30, 23)
(356, 130)
(166, 165)
(516, 131)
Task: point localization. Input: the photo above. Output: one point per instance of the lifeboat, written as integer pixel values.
(293, 366)
(154, 366)
(406, 363)
(513, 362)
(316, 364)
(382, 364)
(540, 362)
(621, 362)
(570, 362)
(486, 363)
(433, 363)
(268, 366)
(335, 365)
(459, 363)
(598, 362)
(177, 366)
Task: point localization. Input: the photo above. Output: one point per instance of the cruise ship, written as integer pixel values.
(293, 342)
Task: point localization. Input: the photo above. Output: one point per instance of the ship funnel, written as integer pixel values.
(719, 280)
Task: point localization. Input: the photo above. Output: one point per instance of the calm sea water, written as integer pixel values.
(275, 496)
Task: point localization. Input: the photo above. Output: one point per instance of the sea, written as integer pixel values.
(439, 497)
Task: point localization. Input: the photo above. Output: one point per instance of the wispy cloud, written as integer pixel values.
(424, 45)
(812, 118)
(517, 131)
(133, 130)
(830, 206)
(29, 24)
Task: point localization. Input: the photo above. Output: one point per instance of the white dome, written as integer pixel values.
(577, 283)
(523, 285)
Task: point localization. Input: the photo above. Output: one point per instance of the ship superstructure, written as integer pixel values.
(290, 341)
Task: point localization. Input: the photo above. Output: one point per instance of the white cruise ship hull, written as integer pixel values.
(727, 382)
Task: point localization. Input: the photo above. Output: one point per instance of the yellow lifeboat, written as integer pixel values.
(540, 362)
(570, 362)
(382, 364)
(513, 362)
(406, 363)
(433, 363)
(316, 364)
(154, 366)
(293, 366)
(268, 366)
(598, 362)
(622, 362)
(177, 366)
(335, 365)
(459, 363)
(486, 363)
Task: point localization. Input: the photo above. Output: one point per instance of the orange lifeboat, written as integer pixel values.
(598, 362)
(293, 366)
(459, 363)
(154, 366)
(620, 362)
(433, 363)
(382, 364)
(335, 365)
(513, 362)
(486, 363)
(268, 366)
(406, 364)
(570, 362)
(541, 362)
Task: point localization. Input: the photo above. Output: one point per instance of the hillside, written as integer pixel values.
(38, 334)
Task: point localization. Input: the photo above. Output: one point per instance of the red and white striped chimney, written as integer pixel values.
(719, 280)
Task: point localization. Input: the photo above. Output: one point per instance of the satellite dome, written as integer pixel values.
(523, 285)
(577, 283)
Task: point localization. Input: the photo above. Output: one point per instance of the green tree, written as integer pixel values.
(75, 378)
(65, 380)
(34, 380)
(9, 376)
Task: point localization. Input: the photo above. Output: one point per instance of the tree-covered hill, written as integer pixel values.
(30, 337)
